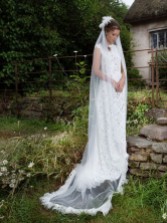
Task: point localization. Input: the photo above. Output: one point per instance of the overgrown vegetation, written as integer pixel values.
(161, 63)
(142, 202)
(33, 29)
(32, 158)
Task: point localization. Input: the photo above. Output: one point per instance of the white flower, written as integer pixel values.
(1, 174)
(135, 121)
(21, 171)
(45, 128)
(105, 21)
(1, 203)
(164, 216)
(5, 162)
(11, 185)
(3, 169)
(6, 173)
(13, 181)
(31, 164)
(13, 175)
(21, 178)
(28, 174)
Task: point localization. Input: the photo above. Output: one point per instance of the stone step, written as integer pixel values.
(156, 113)
(161, 121)
(154, 132)
(139, 142)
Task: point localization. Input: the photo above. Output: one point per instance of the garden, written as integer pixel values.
(44, 110)
(37, 156)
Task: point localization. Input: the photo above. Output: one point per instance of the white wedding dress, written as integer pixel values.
(102, 171)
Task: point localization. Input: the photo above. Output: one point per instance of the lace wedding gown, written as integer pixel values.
(102, 171)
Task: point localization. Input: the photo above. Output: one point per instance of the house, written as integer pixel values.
(148, 19)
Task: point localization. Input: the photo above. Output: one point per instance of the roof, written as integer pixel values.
(144, 10)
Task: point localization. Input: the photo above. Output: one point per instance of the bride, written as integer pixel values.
(102, 171)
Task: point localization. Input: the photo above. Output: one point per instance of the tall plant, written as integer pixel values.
(161, 59)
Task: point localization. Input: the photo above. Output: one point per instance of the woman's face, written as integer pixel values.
(112, 35)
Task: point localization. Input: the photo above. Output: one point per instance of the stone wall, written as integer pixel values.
(148, 151)
(60, 107)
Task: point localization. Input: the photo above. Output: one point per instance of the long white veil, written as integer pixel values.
(101, 40)
(87, 189)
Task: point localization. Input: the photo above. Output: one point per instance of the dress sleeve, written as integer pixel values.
(97, 64)
(98, 46)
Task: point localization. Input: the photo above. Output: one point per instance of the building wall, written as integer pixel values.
(141, 43)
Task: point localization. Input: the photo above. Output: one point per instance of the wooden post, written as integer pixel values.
(152, 76)
(50, 77)
(50, 88)
(16, 88)
(157, 78)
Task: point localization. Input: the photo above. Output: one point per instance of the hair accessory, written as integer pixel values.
(105, 21)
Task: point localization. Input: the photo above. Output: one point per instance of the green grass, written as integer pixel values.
(145, 96)
(138, 95)
(131, 207)
(12, 126)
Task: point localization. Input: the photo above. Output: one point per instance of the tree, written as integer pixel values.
(24, 34)
(40, 28)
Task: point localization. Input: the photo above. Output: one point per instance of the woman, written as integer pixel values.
(102, 171)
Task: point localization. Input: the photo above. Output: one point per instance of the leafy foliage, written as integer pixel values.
(78, 83)
(135, 79)
(24, 34)
(161, 61)
(30, 29)
(137, 117)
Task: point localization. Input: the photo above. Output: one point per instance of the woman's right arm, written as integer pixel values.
(97, 65)
(97, 68)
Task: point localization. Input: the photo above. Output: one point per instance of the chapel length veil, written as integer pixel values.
(90, 186)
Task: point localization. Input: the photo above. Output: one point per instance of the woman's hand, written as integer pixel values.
(114, 84)
(120, 85)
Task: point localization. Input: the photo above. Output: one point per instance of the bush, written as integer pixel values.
(137, 117)
(135, 80)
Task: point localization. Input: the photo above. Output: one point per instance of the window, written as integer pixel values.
(159, 39)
